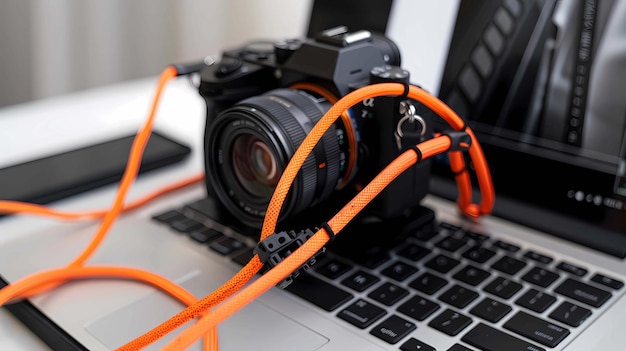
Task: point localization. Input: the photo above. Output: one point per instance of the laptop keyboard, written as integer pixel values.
(479, 290)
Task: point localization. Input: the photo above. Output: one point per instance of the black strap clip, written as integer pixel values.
(276, 247)
(459, 140)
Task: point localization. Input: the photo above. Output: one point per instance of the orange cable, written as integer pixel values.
(302, 152)
(310, 247)
(130, 173)
(46, 280)
(128, 177)
(275, 203)
(18, 207)
(374, 90)
(294, 260)
(233, 285)
(16, 289)
(304, 149)
(242, 277)
(59, 275)
(33, 209)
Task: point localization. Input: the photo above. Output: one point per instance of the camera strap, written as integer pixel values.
(411, 127)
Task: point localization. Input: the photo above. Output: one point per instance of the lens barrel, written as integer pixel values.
(249, 146)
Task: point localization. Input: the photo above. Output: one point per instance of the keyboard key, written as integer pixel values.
(508, 265)
(442, 263)
(209, 208)
(450, 243)
(361, 314)
(536, 300)
(399, 271)
(540, 277)
(326, 296)
(503, 287)
(572, 269)
(583, 292)
(333, 269)
(226, 245)
(458, 296)
(490, 310)
(538, 257)
(537, 329)
(426, 232)
(414, 252)
(415, 345)
(459, 347)
(487, 338)
(360, 281)
(479, 254)
(185, 225)
(607, 281)
(479, 237)
(449, 227)
(471, 275)
(506, 246)
(428, 283)
(570, 314)
(450, 322)
(205, 235)
(418, 308)
(388, 294)
(169, 216)
(393, 329)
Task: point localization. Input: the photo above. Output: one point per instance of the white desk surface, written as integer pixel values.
(44, 127)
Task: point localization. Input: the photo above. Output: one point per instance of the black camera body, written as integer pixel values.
(263, 99)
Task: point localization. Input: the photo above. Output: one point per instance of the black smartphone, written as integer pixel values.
(58, 176)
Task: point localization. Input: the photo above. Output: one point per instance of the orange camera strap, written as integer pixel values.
(407, 159)
(16, 207)
(44, 281)
(234, 287)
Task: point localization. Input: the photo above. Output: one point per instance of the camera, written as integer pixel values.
(264, 97)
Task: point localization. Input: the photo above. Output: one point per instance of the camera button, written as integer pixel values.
(227, 66)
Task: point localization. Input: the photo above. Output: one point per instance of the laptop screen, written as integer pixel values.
(543, 85)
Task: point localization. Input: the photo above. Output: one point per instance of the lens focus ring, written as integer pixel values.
(275, 123)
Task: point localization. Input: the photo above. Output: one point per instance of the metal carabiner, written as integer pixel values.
(410, 115)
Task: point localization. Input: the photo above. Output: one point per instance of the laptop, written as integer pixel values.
(539, 83)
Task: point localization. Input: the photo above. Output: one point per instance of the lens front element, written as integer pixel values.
(255, 166)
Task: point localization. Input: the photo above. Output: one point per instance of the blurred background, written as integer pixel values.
(50, 48)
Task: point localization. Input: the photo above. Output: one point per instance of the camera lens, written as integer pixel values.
(255, 165)
(249, 146)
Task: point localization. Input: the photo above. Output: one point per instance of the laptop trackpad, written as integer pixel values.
(242, 331)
